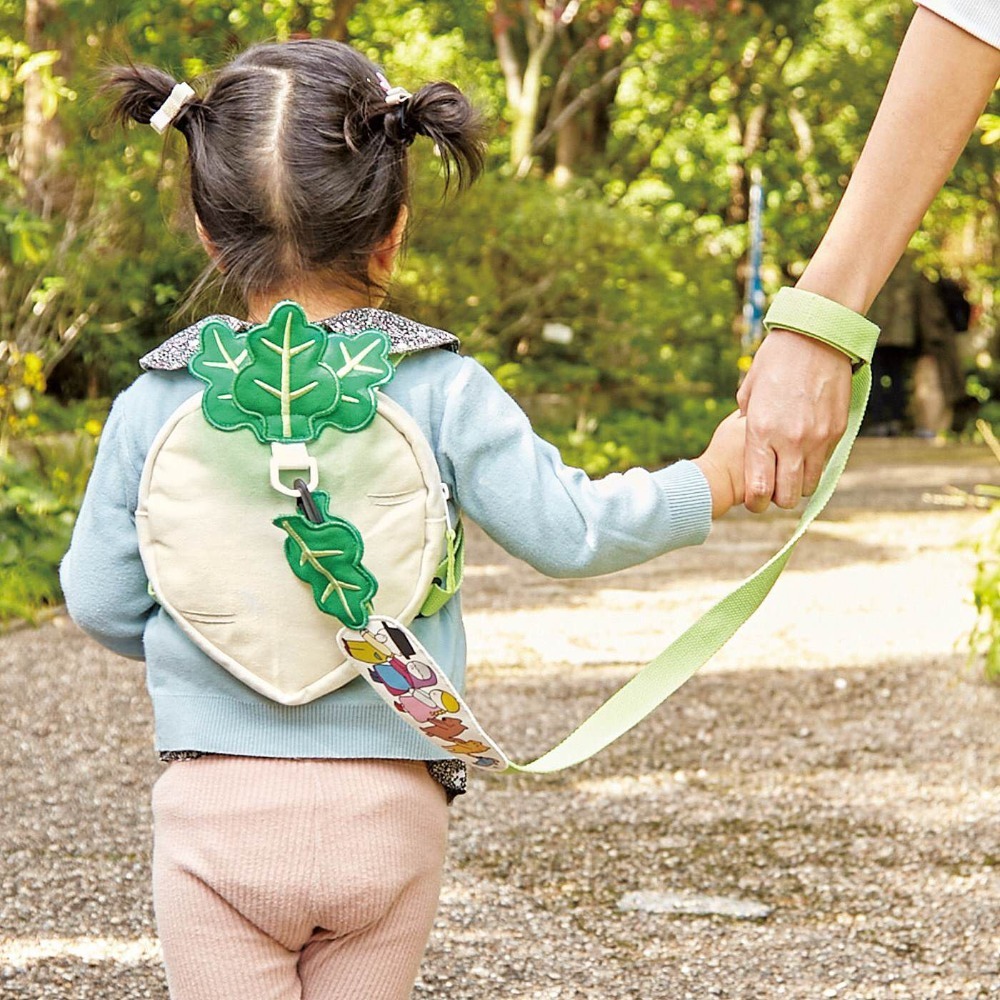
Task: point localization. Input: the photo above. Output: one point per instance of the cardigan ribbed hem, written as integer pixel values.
(321, 729)
(690, 500)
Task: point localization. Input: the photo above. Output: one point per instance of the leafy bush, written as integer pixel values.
(626, 438)
(985, 637)
(46, 451)
(41, 486)
(646, 366)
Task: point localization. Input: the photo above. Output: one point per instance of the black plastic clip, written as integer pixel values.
(305, 502)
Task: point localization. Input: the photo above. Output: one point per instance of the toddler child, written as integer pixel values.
(298, 847)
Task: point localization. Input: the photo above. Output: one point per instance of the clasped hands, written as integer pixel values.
(795, 399)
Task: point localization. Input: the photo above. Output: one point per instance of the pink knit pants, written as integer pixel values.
(295, 879)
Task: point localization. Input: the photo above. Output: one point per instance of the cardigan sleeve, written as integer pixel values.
(554, 517)
(978, 17)
(102, 575)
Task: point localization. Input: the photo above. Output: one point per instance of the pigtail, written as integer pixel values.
(140, 91)
(297, 157)
(445, 115)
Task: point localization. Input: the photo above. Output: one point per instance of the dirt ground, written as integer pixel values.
(838, 763)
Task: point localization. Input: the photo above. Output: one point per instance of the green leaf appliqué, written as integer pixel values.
(288, 379)
(287, 383)
(361, 363)
(223, 353)
(328, 557)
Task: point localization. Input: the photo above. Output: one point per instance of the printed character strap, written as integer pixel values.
(390, 657)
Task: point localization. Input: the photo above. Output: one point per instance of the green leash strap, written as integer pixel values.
(448, 575)
(823, 320)
(405, 675)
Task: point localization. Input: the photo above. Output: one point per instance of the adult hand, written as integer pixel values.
(795, 397)
(797, 392)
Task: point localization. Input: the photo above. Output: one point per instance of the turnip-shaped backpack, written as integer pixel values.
(292, 520)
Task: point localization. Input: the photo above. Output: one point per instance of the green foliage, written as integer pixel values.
(985, 637)
(46, 450)
(625, 224)
(41, 485)
(652, 354)
(983, 385)
(627, 438)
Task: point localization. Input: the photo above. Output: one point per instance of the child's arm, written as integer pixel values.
(554, 517)
(102, 576)
(722, 463)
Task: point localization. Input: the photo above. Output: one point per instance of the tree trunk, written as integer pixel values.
(568, 142)
(41, 140)
(526, 109)
(336, 28)
(33, 131)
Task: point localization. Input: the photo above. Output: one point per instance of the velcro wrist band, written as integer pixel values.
(825, 320)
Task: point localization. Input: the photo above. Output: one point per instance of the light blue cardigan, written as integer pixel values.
(502, 476)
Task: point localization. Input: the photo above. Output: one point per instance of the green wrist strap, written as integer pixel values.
(825, 320)
(855, 336)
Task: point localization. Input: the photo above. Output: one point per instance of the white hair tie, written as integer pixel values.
(171, 107)
(393, 95)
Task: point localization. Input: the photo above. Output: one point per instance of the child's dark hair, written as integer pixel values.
(298, 164)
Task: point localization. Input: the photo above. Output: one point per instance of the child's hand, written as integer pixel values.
(722, 463)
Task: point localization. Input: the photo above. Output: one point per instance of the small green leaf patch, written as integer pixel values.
(361, 363)
(223, 353)
(328, 557)
(287, 384)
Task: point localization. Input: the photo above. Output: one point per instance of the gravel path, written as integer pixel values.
(838, 764)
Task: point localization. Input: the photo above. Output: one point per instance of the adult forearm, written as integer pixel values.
(938, 88)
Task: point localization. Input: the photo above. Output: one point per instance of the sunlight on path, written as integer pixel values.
(856, 593)
(23, 951)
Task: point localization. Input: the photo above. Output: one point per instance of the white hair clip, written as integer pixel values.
(171, 107)
(393, 95)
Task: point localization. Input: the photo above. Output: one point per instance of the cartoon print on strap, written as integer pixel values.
(404, 674)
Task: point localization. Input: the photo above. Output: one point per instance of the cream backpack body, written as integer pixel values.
(211, 502)
(292, 519)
